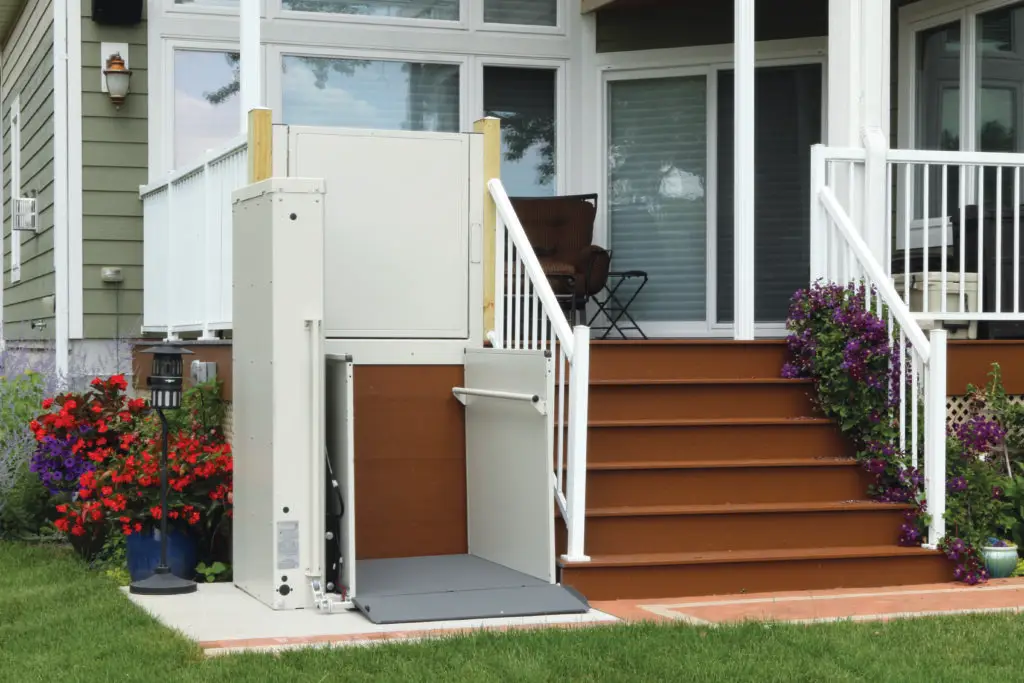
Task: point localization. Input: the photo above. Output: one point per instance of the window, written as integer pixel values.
(363, 93)
(213, 4)
(15, 120)
(207, 108)
(991, 97)
(522, 12)
(524, 100)
(438, 10)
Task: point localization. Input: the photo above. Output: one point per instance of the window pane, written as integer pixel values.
(788, 123)
(657, 208)
(524, 100)
(937, 117)
(444, 10)
(208, 3)
(359, 93)
(207, 109)
(523, 12)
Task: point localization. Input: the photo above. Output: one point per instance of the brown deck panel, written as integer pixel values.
(410, 456)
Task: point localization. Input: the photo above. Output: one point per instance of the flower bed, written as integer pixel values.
(847, 351)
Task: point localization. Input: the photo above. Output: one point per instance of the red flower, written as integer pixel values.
(106, 490)
(155, 511)
(119, 382)
(96, 382)
(47, 403)
(78, 530)
(62, 508)
(101, 426)
(62, 524)
(193, 518)
(138, 526)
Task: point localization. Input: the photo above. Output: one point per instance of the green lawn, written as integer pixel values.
(62, 623)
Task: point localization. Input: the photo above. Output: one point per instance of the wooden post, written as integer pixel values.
(490, 128)
(260, 145)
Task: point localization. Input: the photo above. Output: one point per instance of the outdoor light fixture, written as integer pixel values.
(117, 75)
(165, 381)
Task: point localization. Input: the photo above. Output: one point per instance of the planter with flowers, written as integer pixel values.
(108, 448)
(1000, 557)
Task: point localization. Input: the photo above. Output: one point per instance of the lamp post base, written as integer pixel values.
(163, 582)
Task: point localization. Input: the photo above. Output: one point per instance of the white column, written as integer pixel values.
(743, 183)
(859, 82)
(250, 78)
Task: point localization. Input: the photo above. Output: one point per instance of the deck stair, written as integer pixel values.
(709, 474)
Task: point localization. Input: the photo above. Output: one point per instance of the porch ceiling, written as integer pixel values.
(9, 11)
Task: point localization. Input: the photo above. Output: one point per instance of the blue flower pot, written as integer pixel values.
(1000, 562)
(143, 551)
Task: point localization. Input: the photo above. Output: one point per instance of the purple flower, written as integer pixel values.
(957, 484)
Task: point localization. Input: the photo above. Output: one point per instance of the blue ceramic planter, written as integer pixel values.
(999, 561)
(143, 552)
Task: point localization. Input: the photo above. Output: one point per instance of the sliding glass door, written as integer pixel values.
(657, 199)
(670, 190)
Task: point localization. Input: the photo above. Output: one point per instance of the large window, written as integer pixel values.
(992, 96)
(444, 10)
(524, 100)
(370, 93)
(522, 12)
(207, 109)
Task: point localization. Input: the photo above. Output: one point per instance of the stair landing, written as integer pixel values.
(708, 474)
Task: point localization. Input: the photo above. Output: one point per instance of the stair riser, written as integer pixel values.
(710, 442)
(620, 488)
(701, 361)
(637, 583)
(700, 401)
(741, 531)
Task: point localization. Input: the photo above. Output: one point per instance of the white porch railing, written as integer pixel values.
(528, 316)
(840, 254)
(187, 247)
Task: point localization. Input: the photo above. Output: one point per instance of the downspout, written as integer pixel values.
(3, 339)
(60, 199)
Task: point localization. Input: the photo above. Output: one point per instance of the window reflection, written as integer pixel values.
(360, 93)
(524, 100)
(441, 10)
(207, 108)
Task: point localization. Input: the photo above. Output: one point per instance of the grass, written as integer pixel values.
(61, 622)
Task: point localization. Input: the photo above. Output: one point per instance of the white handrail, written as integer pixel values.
(210, 157)
(875, 272)
(528, 316)
(831, 259)
(532, 265)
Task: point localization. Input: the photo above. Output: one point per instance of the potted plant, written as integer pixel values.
(1000, 557)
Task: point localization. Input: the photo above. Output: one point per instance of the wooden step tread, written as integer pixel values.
(747, 556)
(742, 508)
(719, 464)
(687, 342)
(713, 422)
(740, 381)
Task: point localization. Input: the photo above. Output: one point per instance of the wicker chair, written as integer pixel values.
(561, 231)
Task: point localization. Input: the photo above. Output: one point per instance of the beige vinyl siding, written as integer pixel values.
(114, 165)
(28, 75)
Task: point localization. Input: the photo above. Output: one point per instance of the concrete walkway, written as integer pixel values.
(221, 618)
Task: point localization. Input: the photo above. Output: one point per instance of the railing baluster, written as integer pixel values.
(981, 237)
(998, 227)
(945, 237)
(510, 290)
(908, 174)
(517, 301)
(903, 389)
(925, 234)
(1016, 239)
(963, 241)
(913, 405)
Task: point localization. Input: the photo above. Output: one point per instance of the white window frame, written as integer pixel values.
(164, 150)
(924, 15)
(471, 18)
(196, 7)
(275, 91)
(561, 103)
(14, 119)
(696, 61)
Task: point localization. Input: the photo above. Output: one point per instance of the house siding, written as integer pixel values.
(28, 75)
(114, 165)
(693, 25)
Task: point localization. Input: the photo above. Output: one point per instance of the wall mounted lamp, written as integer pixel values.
(117, 75)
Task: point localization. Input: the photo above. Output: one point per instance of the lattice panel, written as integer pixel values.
(958, 409)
